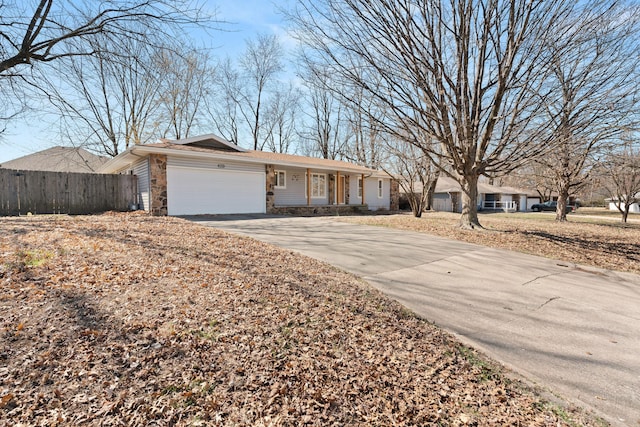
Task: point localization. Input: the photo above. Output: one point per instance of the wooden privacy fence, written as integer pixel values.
(42, 192)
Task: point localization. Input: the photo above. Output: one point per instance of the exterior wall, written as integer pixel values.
(141, 169)
(371, 193)
(294, 193)
(354, 199)
(522, 205)
(152, 184)
(635, 207)
(158, 184)
(442, 202)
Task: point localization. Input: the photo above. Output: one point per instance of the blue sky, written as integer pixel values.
(245, 19)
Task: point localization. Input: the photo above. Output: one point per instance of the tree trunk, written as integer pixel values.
(625, 213)
(563, 196)
(417, 211)
(431, 191)
(416, 201)
(469, 218)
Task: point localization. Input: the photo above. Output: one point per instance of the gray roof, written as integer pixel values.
(447, 184)
(58, 159)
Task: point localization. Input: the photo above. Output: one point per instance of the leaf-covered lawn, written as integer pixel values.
(582, 240)
(125, 319)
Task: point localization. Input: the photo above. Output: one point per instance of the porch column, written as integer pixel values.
(270, 181)
(347, 192)
(158, 184)
(362, 201)
(308, 187)
(332, 188)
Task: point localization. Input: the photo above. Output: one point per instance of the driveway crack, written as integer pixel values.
(547, 302)
(542, 277)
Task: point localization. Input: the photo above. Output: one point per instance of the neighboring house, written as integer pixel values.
(209, 175)
(58, 159)
(448, 197)
(635, 207)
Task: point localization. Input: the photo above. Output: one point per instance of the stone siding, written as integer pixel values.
(270, 170)
(346, 189)
(158, 184)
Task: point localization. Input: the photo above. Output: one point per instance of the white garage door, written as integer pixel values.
(193, 191)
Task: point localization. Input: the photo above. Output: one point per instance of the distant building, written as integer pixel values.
(448, 197)
(58, 159)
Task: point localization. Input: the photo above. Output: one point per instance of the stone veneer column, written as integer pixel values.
(346, 189)
(158, 184)
(332, 188)
(271, 183)
(394, 195)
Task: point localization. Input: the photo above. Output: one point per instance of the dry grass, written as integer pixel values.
(583, 239)
(131, 320)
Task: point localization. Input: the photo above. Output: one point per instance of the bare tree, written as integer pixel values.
(462, 72)
(366, 145)
(48, 30)
(532, 176)
(622, 169)
(186, 84)
(595, 90)
(260, 65)
(43, 41)
(416, 175)
(109, 105)
(223, 109)
(323, 132)
(282, 118)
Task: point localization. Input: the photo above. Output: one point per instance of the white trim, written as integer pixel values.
(324, 187)
(284, 179)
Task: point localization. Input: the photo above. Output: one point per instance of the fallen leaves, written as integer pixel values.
(157, 321)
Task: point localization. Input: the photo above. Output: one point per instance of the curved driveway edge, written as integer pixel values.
(572, 329)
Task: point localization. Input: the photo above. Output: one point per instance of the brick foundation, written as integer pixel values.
(319, 210)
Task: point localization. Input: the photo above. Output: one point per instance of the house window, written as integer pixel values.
(360, 187)
(281, 179)
(318, 185)
(379, 189)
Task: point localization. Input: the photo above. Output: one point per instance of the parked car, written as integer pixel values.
(551, 205)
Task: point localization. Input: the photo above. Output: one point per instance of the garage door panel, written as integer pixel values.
(205, 191)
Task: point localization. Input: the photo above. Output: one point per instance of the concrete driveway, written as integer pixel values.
(570, 329)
